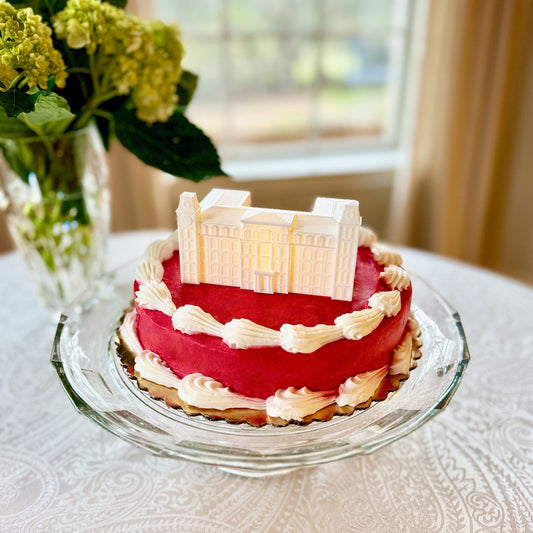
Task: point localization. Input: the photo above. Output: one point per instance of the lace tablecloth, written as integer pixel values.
(468, 469)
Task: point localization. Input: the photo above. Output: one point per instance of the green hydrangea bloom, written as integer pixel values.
(129, 55)
(26, 49)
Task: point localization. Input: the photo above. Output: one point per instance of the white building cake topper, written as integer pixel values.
(225, 241)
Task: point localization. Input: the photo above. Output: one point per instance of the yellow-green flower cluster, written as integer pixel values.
(128, 55)
(26, 49)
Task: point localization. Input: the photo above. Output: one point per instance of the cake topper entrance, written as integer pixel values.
(225, 241)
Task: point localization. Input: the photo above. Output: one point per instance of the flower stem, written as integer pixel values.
(103, 114)
(19, 81)
(92, 107)
(94, 73)
(79, 70)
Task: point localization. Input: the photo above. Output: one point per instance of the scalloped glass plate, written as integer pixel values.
(84, 357)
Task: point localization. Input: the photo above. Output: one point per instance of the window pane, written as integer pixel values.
(208, 108)
(287, 118)
(270, 103)
(307, 71)
(358, 16)
(271, 16)
(351, 112)
(352, 97)
(256, 66)
(200, 16)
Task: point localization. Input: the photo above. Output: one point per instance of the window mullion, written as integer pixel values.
(314, 115)
(226, 61)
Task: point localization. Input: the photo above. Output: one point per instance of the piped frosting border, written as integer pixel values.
(241, 333)
(207, 396)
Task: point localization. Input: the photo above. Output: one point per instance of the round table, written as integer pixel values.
(468, 469)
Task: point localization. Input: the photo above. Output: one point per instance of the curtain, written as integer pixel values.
(133, 187)
(6, 243)
(468, 189)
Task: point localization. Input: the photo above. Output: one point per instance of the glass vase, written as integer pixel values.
(56, 197)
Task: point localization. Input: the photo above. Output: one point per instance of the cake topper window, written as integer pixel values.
(225, 241)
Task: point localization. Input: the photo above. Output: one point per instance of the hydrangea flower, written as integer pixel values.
(127, 55)
(125, 76)
(27, 53)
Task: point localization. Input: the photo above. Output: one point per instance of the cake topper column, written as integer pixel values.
(189, 218)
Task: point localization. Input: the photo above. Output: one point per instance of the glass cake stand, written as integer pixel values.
(84, 357)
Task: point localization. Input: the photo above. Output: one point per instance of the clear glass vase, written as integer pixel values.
(56, 196)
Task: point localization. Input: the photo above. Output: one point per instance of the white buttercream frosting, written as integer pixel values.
(296, 404)
(161, 250)
(402, 356)
(302, 339)
(151, 367)
(358, 324)
(366, 237)
(396, 277)
(384, 256)
(207, 393)
(191, 319)
(388, 302)
(128, 332)
(360, 388)
(173, 238)
(149, 270)
(412, 324)
(155, 296)
(243, 333)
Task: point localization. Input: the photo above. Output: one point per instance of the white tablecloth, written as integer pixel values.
(468, 469)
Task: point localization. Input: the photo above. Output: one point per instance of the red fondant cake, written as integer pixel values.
(270, 355)
(260, 372)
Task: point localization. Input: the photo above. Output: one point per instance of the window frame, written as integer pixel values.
(344, 155)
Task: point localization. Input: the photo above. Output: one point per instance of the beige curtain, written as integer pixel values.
(468, 191)
(134, 191)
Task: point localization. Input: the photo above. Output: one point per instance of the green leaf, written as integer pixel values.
(22, 4)
(51, 118)
(118, 3)
(176, 146)
(12, 128)
(186, 88)
(16, 101)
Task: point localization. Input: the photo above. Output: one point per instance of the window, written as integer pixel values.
(296, 78)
